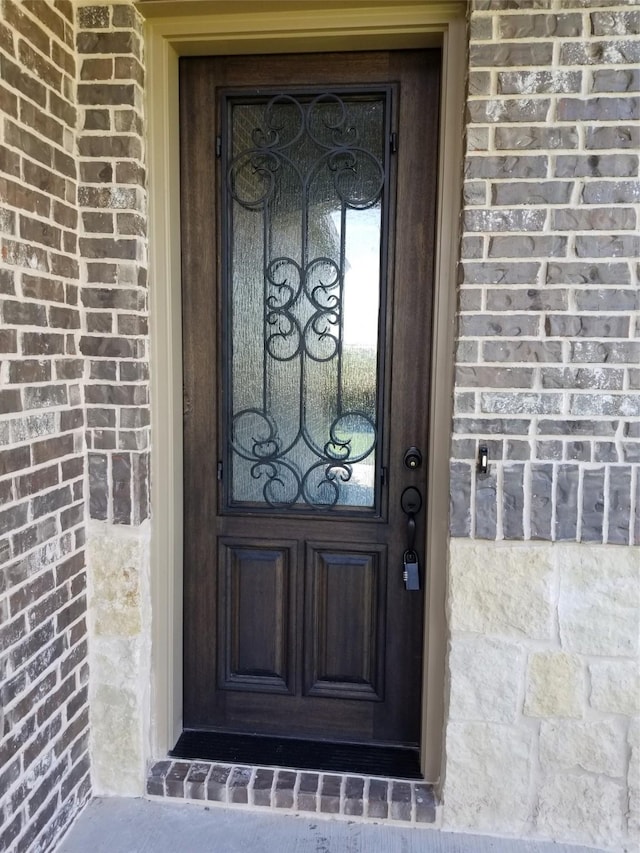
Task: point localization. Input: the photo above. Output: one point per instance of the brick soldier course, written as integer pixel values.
(542, 693)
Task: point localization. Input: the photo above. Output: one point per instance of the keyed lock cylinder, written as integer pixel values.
(413, 458)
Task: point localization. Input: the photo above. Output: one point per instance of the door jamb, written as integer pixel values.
(356, 25)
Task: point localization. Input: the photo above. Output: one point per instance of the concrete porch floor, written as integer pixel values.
(118, 825)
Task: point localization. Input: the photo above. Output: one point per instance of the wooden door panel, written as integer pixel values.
(344, 634)
(255, 602)
(298, 623)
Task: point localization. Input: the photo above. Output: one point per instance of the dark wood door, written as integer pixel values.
(308, 203)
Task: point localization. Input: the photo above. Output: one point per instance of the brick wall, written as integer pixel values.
(43, 672)
(548, 352)
(544, 653)
(113, 251)
(112, 202)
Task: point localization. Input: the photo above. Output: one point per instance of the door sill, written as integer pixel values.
(336, 757)
(355, 797)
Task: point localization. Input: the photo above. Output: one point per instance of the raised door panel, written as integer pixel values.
(344, 633)
(255, 619)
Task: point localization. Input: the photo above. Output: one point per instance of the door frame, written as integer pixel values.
(205, 27)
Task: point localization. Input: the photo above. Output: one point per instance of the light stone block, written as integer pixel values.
(581, 808)
(117, 766)
(501, 588)
(615, 686)
(633, 780)
(597, 747)
(119, 694)
(113, 567)
(487, 777)
(599, 599)
(555, 685)
(485, 677)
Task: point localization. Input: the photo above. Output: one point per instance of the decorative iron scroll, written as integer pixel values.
(296, 168)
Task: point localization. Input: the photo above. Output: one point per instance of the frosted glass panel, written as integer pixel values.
(306, 191)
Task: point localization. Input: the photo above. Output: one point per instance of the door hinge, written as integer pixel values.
(383, 476)
(219, 471)
(393, 142)
(218, 147)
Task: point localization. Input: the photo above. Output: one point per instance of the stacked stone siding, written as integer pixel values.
(44, 716)
(547, 362)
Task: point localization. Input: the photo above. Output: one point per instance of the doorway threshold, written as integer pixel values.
(355, 796)
(240, 748)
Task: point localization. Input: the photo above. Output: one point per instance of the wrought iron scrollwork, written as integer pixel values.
(303, 296)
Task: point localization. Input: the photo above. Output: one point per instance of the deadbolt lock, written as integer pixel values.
(413, 458)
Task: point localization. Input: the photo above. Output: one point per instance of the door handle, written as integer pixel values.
(411, 503)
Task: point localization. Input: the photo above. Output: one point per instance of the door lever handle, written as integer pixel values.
(411, 503)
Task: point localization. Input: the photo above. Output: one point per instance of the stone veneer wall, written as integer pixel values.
(44, 716)
(542, 734)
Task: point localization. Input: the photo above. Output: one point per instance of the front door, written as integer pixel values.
(308, 203)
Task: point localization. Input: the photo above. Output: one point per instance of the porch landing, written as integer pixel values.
(116, 825)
